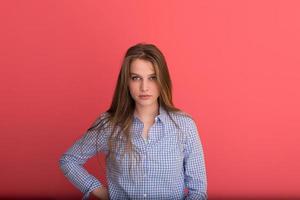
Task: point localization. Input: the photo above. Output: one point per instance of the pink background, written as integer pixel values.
(234, 66)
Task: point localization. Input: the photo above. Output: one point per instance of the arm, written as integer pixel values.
(194, 165)
(71, 162)
(100, 193)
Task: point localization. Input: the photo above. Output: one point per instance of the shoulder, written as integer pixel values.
(101, 123)
(183, 119)
(105, 116)
(188, 131)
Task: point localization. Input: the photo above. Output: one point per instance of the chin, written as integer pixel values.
(146, 103)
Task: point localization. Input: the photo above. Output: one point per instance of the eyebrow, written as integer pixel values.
(140, 75)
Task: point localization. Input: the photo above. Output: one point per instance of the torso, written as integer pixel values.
(145, 130)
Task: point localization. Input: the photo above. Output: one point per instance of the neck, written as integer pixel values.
(146, 113)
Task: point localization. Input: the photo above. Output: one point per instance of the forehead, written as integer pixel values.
(141, 67)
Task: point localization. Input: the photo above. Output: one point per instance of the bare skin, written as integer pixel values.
(100, 193)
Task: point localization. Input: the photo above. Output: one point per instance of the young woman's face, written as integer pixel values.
(143, 84)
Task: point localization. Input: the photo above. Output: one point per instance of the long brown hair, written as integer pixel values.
(120, 114)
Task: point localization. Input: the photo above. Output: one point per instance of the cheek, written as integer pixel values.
(156, 88)
(132, 88)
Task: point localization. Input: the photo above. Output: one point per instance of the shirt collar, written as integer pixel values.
(162, 115)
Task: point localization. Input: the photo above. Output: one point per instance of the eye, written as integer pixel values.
(153, 78)
(134, 78)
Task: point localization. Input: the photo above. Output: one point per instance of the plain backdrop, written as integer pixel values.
(234, 66)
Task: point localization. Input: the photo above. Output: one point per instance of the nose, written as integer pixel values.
(144, 86)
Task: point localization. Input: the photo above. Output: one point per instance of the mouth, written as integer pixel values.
(144, 96)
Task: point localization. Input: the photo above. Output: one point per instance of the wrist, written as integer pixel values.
(100, 192)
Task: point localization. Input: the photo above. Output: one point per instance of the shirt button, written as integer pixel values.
(145, 195)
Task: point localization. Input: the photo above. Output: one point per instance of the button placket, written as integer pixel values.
(145, 171)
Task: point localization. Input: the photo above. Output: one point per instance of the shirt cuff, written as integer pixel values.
(95, 185)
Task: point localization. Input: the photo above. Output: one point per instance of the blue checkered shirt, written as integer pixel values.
(171, 162)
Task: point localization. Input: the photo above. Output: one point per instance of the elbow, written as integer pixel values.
(67, 163)
(62, 161)
(63, 164)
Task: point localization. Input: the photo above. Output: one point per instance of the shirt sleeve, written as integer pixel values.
(194, 165)
(71, 162)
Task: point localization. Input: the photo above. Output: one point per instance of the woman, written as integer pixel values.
(153, 150)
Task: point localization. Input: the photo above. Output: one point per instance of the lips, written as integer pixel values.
(144, 96)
